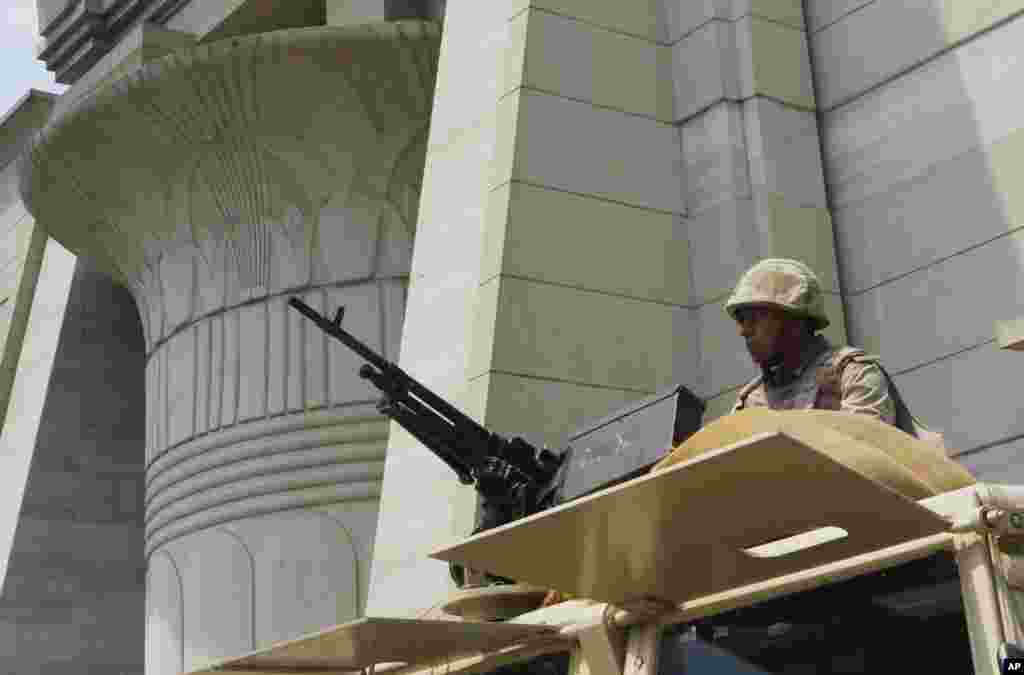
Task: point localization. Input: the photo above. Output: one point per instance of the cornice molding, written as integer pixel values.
(83, 31)
(24, 118)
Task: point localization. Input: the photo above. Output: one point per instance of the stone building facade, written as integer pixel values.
(535, 206)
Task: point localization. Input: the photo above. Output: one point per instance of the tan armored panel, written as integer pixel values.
(366, 642)
(882, 452)
(770, 505)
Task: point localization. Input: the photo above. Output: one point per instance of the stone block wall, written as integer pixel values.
(922, 131)
(73, 595)
(604, 171)
(21, 249)
(598, 174)
(21, 241)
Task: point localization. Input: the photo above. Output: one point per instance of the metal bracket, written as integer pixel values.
(992, 520)
(603, 649)
(642, 650)
(1001, 522)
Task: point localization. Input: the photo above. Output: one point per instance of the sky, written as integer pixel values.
(19, 68)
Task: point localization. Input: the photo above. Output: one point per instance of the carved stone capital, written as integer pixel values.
(238, 168)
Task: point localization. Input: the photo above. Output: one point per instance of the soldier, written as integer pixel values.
(779, 309)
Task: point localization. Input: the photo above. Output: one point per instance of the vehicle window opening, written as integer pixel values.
(909, 618)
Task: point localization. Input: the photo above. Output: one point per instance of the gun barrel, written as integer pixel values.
(400, 386)
(340, 333)
(394, 373)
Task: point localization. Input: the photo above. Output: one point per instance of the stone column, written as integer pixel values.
(215, 183)
(745, 108)
(605, 170)
(554, 164)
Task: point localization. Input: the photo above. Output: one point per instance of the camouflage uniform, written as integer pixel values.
(828, 378)
(824, 382)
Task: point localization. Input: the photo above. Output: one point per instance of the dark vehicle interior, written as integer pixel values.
(908, 618)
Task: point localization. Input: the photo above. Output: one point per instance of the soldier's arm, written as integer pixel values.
(866, 392)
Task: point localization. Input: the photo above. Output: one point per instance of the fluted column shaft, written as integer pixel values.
(264, 464)
(232, 176)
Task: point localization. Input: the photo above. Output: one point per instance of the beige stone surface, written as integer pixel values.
(714, 148)
(164, 617)
(538, 152)
(585, 242)
(505, 130)
(714, 46)
(15, 238)
(18, 280)
(784, 11)
(625, 543)
(143, 43)
(205, 18)
(644, 18)
(226, 519)
(422, 502)
(755, 188)
(323, 207)
(306, 594)
(784, 151)
(583, 61)
(28, 393)
(520, 405)
(724, 242)
(896, 156)
(684, 16)
(775, 62)
(573, 146)
(964, 20)
(323, 176)
(543, 330)
(741, 58)
(216, 579)
(910, 332)
(836, 331)
(804, 233)
(486, 50)
(22, 243)
(925, 29)
(342, 12)
(724, 361)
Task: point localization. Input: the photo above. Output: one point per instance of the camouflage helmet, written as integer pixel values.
(788, 285)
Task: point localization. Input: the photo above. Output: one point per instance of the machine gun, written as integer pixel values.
(513, 477)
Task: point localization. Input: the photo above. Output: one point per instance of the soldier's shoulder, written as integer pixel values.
(852, 355)
(856, 365)
(848, 364)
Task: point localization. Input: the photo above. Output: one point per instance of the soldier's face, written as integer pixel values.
(762, 328)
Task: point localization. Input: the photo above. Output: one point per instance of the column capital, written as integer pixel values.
(221, 142)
